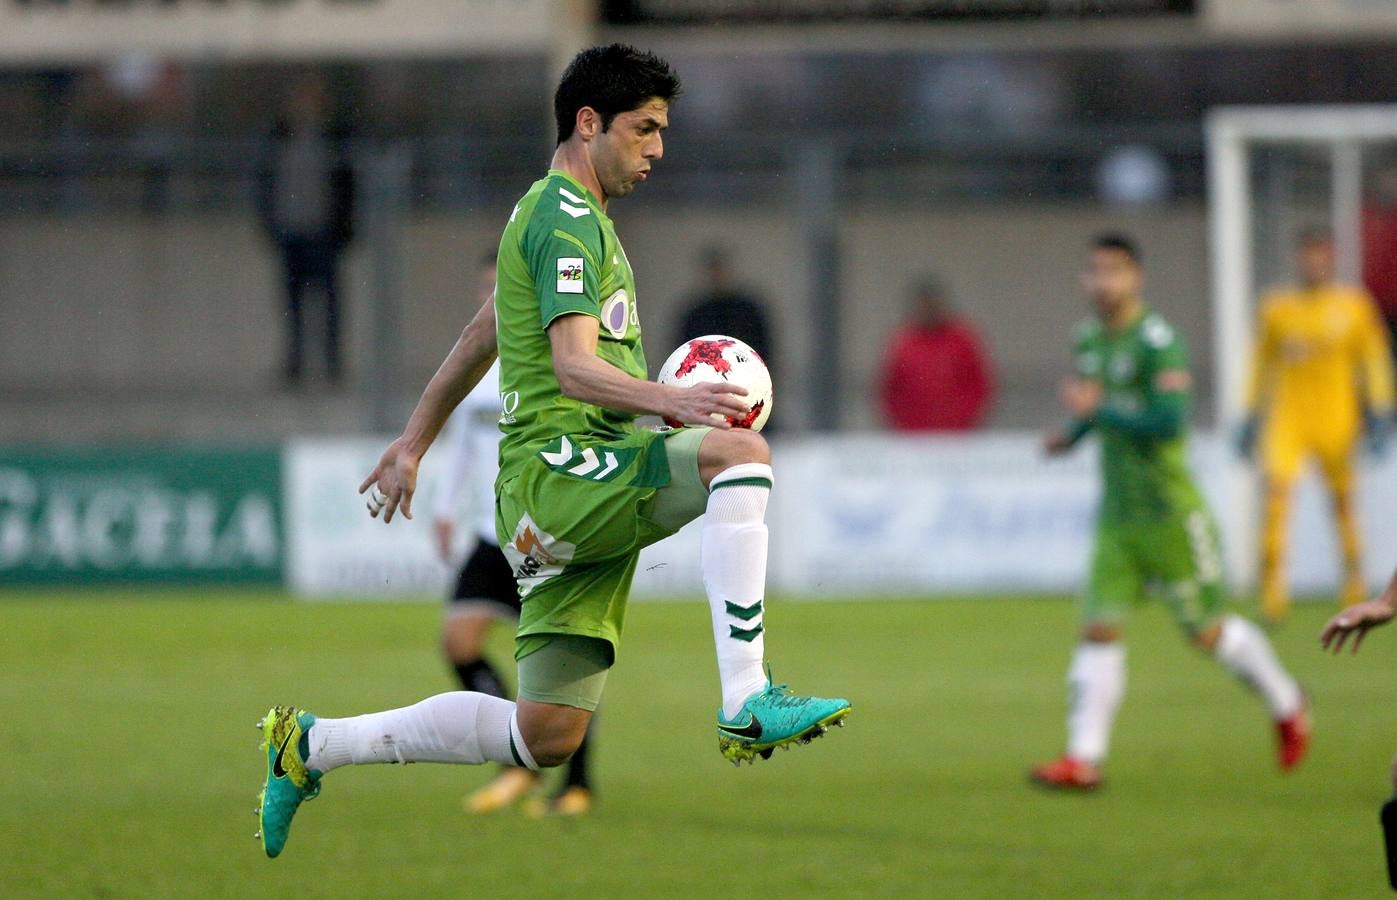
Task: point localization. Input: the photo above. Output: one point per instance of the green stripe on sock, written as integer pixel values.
(744, 634)
(752, 481)
(745, 613)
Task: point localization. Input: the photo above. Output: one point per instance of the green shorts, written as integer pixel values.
(573, 521)
(1179, 557)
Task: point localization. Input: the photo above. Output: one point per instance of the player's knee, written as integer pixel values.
(722, 450)
(1101, 632)
(552, 749)
(462, 637)
(552, 733)
(1205, 638)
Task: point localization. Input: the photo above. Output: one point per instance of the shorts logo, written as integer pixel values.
(615, 314)
(570, 275)
(535, 555)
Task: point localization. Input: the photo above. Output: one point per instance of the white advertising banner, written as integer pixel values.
(334, 549)
(1302, 17)
(856, 516)
(68, 30)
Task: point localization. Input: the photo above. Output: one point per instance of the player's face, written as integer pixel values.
(1112, 279)
(1315, 260)
(624, 152)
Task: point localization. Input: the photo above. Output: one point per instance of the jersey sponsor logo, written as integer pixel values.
(570, 274)
(509, 405)
(616, 315)
(535, 555)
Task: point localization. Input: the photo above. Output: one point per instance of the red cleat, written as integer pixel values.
(1293, 737)
(1067, 774)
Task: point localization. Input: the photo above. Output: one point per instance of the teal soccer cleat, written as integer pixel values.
(289, 781)
(775, 717)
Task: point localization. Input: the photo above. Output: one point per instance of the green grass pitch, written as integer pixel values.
(130, 766)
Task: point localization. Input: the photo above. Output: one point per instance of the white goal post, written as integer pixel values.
(1334, 136)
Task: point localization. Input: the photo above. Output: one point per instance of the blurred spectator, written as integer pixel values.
(1380, 246)
(307, 206)
(936, 374)
(721, 307)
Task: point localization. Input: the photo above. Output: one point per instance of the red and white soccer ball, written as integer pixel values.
(717, 357)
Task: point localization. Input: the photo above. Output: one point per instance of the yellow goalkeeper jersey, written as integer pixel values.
(1321, 357)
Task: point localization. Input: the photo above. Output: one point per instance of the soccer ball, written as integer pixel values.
(717, 357)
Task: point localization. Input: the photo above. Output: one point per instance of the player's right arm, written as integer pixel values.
(584, 376)
(395, 476)
(1356, 620)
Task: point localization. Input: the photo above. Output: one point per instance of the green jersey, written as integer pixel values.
(1143, 436)
(559, 255)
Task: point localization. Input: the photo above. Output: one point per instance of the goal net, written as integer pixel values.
(1275, 172)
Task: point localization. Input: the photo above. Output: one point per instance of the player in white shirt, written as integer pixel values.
(485, 590)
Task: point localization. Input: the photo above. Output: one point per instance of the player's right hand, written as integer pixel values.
(699, 403)
(395, 479)
(1356, 620)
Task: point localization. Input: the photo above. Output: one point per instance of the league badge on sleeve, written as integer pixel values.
(569, 274)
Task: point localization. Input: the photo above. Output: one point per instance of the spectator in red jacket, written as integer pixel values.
(1380, 245)
(936, 374)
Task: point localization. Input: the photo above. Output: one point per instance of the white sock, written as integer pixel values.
(459, 727)
(1096, 681)
(1245, 651)
(734, 576)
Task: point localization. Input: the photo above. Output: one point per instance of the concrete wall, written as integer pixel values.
(100, 313)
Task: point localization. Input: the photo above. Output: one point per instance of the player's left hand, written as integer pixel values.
(1355, 620)
(1081, 396)
(393, 481)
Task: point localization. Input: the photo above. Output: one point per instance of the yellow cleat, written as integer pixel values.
(507, 789)
(575, 801)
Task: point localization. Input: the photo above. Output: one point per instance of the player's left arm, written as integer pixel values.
(395, 476)
(1167, 399)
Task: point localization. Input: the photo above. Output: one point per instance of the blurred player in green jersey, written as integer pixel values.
(581, 488)
(1154, 532)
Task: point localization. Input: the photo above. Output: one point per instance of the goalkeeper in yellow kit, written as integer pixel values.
(1321, 377)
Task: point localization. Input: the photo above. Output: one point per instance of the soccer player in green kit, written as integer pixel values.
(1132, 387)
(581, 489)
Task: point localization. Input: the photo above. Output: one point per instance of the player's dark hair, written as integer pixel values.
(1115, 240)
(612, 79)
